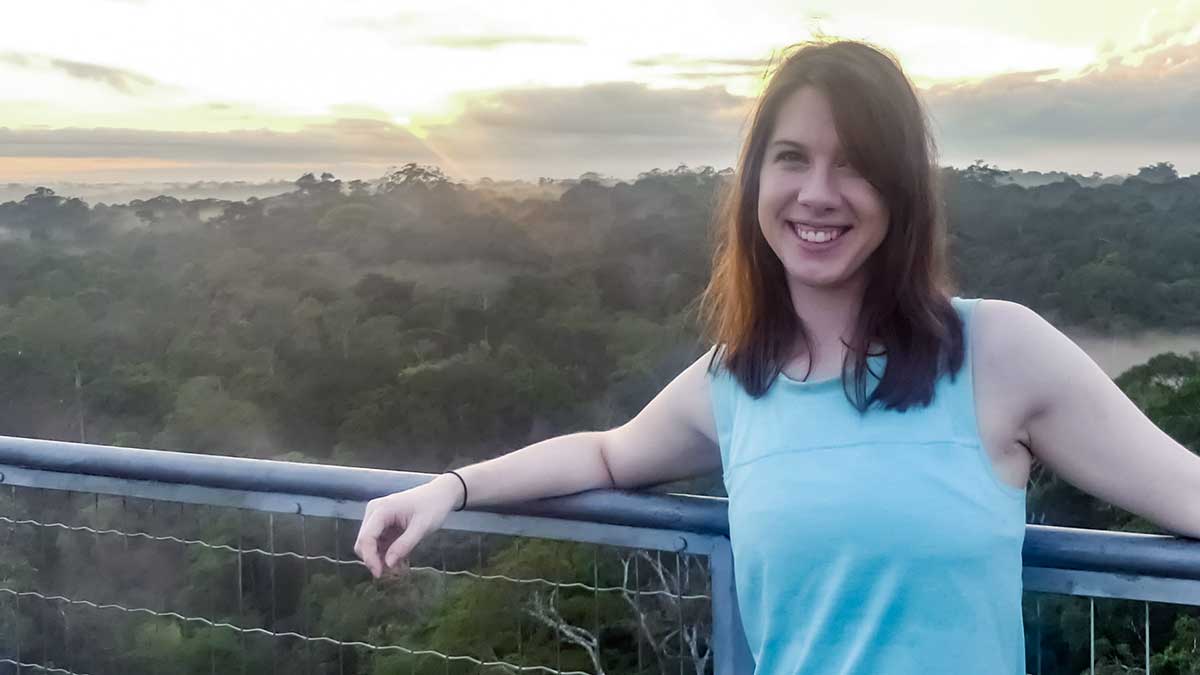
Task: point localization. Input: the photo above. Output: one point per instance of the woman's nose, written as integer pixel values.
(818, 193)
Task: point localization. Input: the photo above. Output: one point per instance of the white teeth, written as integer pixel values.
(816, 236)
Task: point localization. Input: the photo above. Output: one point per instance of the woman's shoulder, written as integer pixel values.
(996, 319)
(1016, 349)
(1002, 329)
(1006, 322)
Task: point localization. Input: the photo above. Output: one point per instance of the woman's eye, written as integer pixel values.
(790, 156)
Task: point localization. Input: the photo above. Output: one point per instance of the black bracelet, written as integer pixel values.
(460, 478)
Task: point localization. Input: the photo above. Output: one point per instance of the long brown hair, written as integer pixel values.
(747, 308)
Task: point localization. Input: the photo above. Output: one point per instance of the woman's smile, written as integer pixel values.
(817, 237)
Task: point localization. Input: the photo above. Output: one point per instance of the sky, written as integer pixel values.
(165, 90)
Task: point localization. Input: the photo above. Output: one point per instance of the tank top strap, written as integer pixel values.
(724, 395)
(959, 390)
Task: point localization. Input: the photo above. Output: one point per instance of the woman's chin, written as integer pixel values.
(823, 279)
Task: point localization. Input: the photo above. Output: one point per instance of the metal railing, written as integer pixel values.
(1062, 561)
(671, 524)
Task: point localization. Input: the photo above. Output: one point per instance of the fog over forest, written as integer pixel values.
(123, 193)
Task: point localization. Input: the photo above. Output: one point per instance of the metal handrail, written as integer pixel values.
(1062, 560)
(632, 508)
(1045, 546)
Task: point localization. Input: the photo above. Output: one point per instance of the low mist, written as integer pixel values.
(1118, 354)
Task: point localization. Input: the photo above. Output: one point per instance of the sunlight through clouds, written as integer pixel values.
(93, 71)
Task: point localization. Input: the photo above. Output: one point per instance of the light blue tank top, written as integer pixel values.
(877, 545)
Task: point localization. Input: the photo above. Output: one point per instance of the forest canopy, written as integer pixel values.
(384, 322)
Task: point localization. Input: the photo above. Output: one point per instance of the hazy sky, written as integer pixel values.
(129, 90)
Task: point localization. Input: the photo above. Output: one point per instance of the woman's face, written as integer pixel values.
(820, 217)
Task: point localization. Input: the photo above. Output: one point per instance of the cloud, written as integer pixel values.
(1114, 117)
(383, 23)
(124, 81)
(343, 140)
(680, 61)
(619, 128)
(625, 109)
(722, 76)
(16, 59)
(487, 42)
(1153, 103)
(699, 69)
(1128, 110)
(403, 22)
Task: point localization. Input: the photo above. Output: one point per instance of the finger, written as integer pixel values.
(367, 544)
(404, 544)
(401, 568)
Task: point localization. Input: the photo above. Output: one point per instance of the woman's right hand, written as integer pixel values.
(393, 525)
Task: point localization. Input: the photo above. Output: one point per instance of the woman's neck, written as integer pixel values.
(829, 316)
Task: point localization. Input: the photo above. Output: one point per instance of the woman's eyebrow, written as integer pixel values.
(788, 143)
(793, 144)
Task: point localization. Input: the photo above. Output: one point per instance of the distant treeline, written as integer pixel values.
(1115, 257)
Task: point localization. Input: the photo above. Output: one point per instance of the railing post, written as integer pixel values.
(730, 649)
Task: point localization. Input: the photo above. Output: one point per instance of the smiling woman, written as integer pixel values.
(875, 432)
(842, 409)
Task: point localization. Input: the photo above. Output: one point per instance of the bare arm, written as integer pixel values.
(1082, 426)
(557, 466)
(672, 438)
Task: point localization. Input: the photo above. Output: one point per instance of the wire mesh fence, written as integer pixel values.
(152, 562)
(104, 584)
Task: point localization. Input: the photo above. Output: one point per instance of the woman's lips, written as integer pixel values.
(817, 235)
